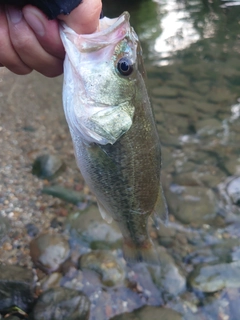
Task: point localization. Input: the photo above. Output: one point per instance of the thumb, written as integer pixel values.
(84, 19)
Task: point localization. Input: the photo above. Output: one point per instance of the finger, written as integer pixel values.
(85, 18)
(8, 56)
(46, 31)
(28, 48)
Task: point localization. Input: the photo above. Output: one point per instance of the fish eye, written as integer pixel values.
(125, 66)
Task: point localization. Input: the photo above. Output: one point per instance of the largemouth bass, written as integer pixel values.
(111, 122)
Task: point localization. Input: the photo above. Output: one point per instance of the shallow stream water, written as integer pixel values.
(192, 58)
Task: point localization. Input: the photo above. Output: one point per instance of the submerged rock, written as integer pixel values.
(106, 264)
(151, 313)
(233, 190)
(211, 278)
(47, 166)
(89, 227)
(192, 204)
(49, 251)
(168, 277)
(16, 287)
(62, 304)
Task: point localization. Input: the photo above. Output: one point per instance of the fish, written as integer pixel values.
(111, 121)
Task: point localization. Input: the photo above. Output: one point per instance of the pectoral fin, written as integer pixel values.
(105, 215)
(160, 213)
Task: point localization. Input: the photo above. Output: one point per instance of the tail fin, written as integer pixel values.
(144, 252)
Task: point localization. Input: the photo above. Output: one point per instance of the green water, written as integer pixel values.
(192, 56)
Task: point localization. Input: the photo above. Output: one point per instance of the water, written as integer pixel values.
(192, 56)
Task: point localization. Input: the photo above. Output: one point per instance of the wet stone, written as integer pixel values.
(48, 251)
(165, 92)
(65, 194)
(47, 166)
(16, 287)
(153, 313)
(233, 165)
(168, 277)
(61, 304)
(4, 227)
(89, 227)
(108, 303)
(208, 127)
(192, 204)
(140, 280)
(211, 278)
(32, 230)
(51, 281)
(233, 190)
(106, 264)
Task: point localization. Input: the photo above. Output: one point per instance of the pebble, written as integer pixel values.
(93, 230)
(233, 190)
(192, 204)
(32, 229)
(153, 313)
(211, 278)
(49, 251)
(61, 304)
(168, 277)
(47, 166)
(4, 227)
(16, 288)
(106, 265)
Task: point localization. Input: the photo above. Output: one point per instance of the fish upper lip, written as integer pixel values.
(109, 35)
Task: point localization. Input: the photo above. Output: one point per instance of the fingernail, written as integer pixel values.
(35, 23)
(14, 14)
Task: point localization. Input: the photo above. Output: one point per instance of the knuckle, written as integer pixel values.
(21, 42)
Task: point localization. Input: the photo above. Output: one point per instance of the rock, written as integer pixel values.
(49, 251)
(168, 277)
(106, 264)
(108, 303)
(208, 127)
(16, 287)
(153, 313)
(140, 280)
(192, 204)
(4, 227)
(232, 164)
(207, 175)
(32, 230)
(211, 278)
(47, 166)
(233, 190)
(165, 92)
(51, 281)
(65, 194)
(62, 304)
(88, 226)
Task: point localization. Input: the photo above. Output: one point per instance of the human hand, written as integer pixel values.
(29, 41)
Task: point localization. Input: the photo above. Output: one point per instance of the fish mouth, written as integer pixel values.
(109, 31)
